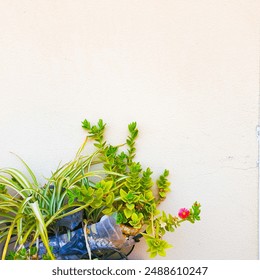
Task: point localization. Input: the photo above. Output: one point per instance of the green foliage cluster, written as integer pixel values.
(26, 254)
(131, 196)
(163, 223)
(30, 211)
(108, 181)
(134, 198)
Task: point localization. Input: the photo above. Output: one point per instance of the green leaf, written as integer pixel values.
(42, 227)
(33, 250)
(134, 217)
(120, 218)
(130, 206)
(128, 213)
(98, 194)
(97, 203)
(86, 124)
(123, 194)
(29, 170)
(156, 245)
(101, 124)
(132, 126)
(162, 194)
(148, 195)
(110, 199)
(108, 211)
(149, 229)
(162, 252)
(3, 189)
(10, 233)
(153, 255)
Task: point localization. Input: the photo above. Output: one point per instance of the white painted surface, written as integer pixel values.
(186, 71)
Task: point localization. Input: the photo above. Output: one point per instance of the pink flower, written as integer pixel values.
(184, 213)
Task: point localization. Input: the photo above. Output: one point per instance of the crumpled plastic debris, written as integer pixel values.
(103, 236)
(71, 221)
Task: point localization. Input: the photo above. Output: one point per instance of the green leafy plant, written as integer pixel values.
(33, 210)
(27, 254)
(107, 182)
(23, 217)
(134, 199)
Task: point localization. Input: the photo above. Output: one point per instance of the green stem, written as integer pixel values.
(152, 225)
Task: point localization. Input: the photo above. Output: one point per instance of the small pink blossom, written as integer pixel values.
(184, 213)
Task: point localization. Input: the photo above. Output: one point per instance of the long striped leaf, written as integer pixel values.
(28, 169)
(9, 204)
(28, 232)
(8, 209)
(9, 183)
(18, 176)
(20, 221)
(6, 215)
(9, 235)
(41, 227)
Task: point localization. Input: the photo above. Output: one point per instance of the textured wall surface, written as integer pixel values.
(186, 71)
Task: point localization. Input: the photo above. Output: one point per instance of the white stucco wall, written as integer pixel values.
(186, 71)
